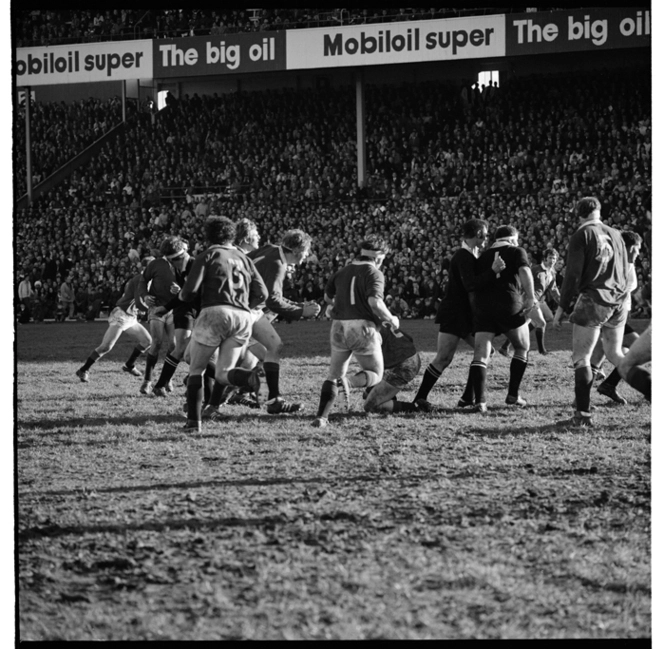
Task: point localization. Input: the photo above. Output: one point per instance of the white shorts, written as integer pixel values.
(120, 318)
(357, 336)
(166, 318)
(257, 314)
(218, 323)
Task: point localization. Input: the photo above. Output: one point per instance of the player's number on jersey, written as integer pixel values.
(352, 291)
(238, 281)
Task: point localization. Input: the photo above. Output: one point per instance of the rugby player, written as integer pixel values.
(123, 317)
(597, 270)
(162, 279)
(501, 307)
(355, 295)
(631, 366)
(272, 263)
(454, 317)
(230, 287)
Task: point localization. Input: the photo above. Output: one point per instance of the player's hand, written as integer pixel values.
(528, 304)
(557, 320)
(498, 264)
(175, 288)
(328, 312)
(150, 300)
(393, 323)
(160, 310)
(310, 309)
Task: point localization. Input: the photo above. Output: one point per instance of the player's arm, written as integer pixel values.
(375, 298)
(257, 290)
(194, 280)
(527, 286)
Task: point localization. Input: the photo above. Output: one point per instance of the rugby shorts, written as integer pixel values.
(358, 336)
(453, 321)
(588, 313)
(499, 323)
(222, 322)
(120, 318)
(403, 373)
(184, 316)
(166, 318)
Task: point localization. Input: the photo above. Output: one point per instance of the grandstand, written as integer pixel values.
(115, 167)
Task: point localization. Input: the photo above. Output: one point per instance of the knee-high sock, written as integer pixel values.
(92, 359)
(583, 382)
(477, 375)
(431, 375)
(640, 379)
(539, 335)
(517, 370)
(328, 394)
(167, 371)
(469, 393)
(612, 379)
(194, 397)
(135, 353)
(271, 370)
(208, 381)
(214, 398)
(150, 362)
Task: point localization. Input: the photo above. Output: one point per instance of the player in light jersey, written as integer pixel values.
(355, 295)
(162, 279)
(597, 271)
(123, 317)
(230, 287)
(272, 262)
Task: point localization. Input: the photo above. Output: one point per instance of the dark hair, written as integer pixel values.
(296, 240)
(469, 228)
(631, 238)
(376, 243)
(172, 245)
(550, 252)
(506, 231)
(586, 206)
(219, 230)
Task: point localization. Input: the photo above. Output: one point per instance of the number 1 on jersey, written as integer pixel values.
(352, 291)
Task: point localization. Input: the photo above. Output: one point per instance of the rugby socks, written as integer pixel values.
(469, 393)
(539, 335)
(517, 370)
(595, 369)
(208, 381)
(271, 370)
(477, 375)
(194, 397)
(239, 377)
(136, 352)
(214, 397)
(431, 375)
(612, 379)
(583, 382)
(640, 379)
(92, 359)
(167, 371)
(150, 362)
(328, 394)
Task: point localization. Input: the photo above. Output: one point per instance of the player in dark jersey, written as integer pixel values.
(123, 317)
(272, 262)
(502, 307)
(355, 294)
(632, 368)
(597, 270)
(162, 279)
(454, 317)
(183, 323)
(230, 286)
(402, 362)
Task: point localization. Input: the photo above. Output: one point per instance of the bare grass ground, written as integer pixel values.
(447, 525)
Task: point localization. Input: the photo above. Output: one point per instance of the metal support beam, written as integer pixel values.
(361, 134)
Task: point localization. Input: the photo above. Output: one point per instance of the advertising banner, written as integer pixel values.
(219, 54)
(586, 29)
(389, 43)
(44, 66)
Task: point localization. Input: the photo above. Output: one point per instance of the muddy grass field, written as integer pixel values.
(446, 525)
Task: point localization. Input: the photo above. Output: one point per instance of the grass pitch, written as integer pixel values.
(446, 525)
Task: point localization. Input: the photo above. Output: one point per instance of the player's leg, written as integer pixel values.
(143, 340)
(468, 396)
(171, 362)
(157, 328)
(609, 387)
(381, 398)
(383, 395)
(631, 366)
(339, 361)
(111, 336)
(478, 367)
(538, 320)
(199, 355)
(520, 340)
(584, 340)
(445, 350)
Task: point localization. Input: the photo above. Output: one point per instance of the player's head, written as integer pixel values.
(374, 248)
(507, 233)
(175, 250)
(146, 260)
(476, 229)
(549, 257)
(298, 244)
(633, 243)
(219, 230)
(586, 207)
(246, 234)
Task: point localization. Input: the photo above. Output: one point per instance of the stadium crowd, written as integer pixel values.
(438, 155)
(48, 27)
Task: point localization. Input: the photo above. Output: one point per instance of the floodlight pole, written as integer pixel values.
(124, 101)
(28, 146)
(361, 139)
